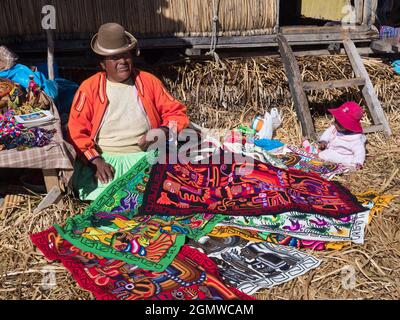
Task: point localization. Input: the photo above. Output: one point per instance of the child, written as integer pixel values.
(344, 141)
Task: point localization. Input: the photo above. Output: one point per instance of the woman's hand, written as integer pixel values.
(104, 171)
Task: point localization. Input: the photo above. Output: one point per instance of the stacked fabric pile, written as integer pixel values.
(205, 231)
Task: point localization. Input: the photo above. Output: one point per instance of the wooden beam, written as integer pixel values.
(320, 30)
(52, 197)
(325, 52)
(322, 85)
(296, 87)
(375, 128)
(381, 46)
(293, 35)
(53, 184)
(371, 99)
(50, 178)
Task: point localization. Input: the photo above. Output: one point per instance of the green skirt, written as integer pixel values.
(86, 185)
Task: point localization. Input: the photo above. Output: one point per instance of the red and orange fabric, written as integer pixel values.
(243, 189)
(191, 275)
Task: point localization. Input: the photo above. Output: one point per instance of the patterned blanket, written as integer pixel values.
(243, 190)
(190, 276)
(275, 238)
(299, 159)
(251, 266)
(110, 227)
(306, 226)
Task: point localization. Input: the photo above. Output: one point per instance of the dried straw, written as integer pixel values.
(222, 99)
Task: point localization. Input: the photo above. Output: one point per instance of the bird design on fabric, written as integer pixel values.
(319, 222)
(294, 227)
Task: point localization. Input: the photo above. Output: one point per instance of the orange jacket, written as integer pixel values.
(90, 103)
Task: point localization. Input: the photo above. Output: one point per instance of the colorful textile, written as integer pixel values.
(14, 135)
(259, 236)
(379, 201)
(191, 275)
(307, 226)
(242, 189)
(137, 241)
(126, 194)
(389, 32)
(111, 228)
(238, 143)
(57, 155)
(250, 266)
(252, 151)
(299, 159)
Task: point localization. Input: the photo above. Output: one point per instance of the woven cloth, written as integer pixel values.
(250, 266)
(307, 226)
(190, 276)
(299, 159)
(110, 227)
(243, 189)
(275, 238)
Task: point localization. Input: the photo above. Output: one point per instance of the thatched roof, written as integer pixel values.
(78, 19)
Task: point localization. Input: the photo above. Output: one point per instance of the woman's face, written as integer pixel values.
(118, 67)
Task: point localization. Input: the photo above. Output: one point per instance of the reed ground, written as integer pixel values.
(224, 96)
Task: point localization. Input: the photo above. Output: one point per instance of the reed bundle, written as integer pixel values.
(144, 18)
(225, 98)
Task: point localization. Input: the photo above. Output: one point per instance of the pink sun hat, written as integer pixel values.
(349, 116)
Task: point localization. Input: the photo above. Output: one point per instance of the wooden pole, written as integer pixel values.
(370, 7)
(296, 88)
(50, 53)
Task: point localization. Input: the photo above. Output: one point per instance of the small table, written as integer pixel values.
(56, 159)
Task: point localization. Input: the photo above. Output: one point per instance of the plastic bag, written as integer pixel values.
(396, 66)
(276, 118)
(20, 74)
(272, 120)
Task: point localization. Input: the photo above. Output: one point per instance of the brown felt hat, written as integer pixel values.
(112, 39)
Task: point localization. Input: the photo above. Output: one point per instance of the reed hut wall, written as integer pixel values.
(325, 10)
(77, 19)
